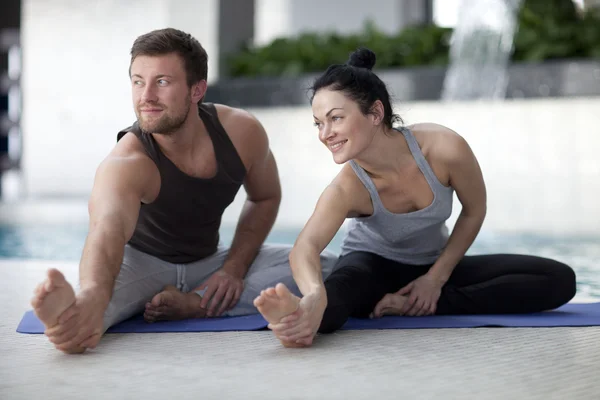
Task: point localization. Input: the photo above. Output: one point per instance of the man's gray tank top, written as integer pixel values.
(415, 238)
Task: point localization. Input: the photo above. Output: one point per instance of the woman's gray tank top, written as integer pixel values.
(416, 238)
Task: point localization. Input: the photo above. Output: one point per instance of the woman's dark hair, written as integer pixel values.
(356, 80)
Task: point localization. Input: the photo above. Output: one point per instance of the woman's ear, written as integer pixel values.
(377, 111)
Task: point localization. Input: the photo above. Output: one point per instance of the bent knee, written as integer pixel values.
(564, 282)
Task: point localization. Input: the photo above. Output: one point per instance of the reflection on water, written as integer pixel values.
(65, 242)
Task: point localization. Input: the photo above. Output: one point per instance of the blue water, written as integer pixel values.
(64, 242)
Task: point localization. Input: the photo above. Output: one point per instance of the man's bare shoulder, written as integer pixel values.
(129, 167)
(237, 121)
(245, 131)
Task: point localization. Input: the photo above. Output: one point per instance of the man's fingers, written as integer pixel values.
(61, 329)
(226, 301)
(91, 341)
(210, 291)
(73, 343)
(68, 314)
(216, 299)
(238, 294)
(66, 337)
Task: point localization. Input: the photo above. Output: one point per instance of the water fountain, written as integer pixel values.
(480, 50)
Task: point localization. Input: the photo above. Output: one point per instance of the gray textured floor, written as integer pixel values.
(496, 363)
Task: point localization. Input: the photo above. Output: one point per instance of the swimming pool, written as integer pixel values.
(64, 242)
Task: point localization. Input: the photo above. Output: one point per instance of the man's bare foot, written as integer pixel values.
(390, 304)
(276, 303)
(172, 304)
(52, 297)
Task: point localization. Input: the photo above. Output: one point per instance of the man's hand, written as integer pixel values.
(81, 325)
(423, 294)
(223, 290)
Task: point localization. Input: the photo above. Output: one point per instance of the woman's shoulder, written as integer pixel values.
(436, 140)
(347, 187)
(347, 180)
(430, 131)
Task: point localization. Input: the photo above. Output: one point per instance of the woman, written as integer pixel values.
(397, 187)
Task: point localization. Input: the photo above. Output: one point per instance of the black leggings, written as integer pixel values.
(483, 284)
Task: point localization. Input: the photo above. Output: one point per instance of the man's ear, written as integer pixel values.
(199, 91)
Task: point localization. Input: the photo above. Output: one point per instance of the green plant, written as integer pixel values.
(312, 52)
(547, 29)
(553, 29)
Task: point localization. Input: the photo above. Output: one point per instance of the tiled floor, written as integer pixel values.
(494, 363)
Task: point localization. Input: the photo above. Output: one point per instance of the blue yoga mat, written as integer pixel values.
(568, 315)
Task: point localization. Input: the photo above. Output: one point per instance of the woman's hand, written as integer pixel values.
(422, 296)
(300, 327)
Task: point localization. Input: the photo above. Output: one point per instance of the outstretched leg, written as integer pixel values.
(507, 284)
(359, 282)
(141, 276)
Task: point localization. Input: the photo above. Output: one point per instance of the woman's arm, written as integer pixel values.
(330, 212)
(467, 180)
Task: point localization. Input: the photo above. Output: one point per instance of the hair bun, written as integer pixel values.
(362, 58)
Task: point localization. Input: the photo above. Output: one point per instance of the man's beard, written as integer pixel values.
(166, 125)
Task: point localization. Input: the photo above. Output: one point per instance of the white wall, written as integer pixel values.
(282, 18)
(75, 79)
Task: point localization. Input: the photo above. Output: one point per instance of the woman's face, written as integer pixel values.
(343, 128)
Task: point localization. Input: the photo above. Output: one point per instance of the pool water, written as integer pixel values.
(64, 242)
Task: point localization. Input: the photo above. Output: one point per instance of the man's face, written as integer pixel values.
(161, 96)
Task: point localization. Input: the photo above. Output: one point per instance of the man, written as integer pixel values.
(156, 207)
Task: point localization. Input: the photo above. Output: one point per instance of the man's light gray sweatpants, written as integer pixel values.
(142, 276)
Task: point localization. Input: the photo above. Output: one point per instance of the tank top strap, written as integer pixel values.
(225, 151)
(417, 154)
(148, 142)
(369, 185)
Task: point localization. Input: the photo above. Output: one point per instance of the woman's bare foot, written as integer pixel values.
(390, 304)
(172, 304)
(276, 303)
(52, 297)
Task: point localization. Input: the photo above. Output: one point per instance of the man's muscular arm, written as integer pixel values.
(262, 204)
(123, 181)
(258, 213)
